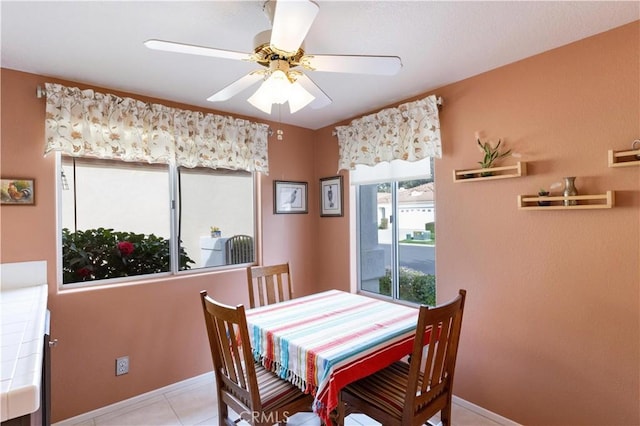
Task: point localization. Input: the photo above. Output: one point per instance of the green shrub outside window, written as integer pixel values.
(97, 254)
(415, 286)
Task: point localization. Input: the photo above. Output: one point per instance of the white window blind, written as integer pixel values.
(394, 170)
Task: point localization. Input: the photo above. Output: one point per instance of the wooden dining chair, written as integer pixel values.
(239, 249)
(269, 284)
(410, 393)
(259, 396)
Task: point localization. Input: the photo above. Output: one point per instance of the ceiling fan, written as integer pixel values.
(281, 52)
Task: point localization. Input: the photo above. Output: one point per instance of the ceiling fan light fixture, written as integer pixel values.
(278, 87)
(274, 90)
(261, 100)
(299, 97)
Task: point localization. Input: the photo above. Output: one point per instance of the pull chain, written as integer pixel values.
(279, 132)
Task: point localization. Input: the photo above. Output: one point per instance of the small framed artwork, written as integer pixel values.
(331, 196)
(289, 197)
(17, 191)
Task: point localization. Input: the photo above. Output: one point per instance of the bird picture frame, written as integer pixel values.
(290, 197)
(17, 191)
(331, 196)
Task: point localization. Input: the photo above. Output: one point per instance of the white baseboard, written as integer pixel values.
(208, 377)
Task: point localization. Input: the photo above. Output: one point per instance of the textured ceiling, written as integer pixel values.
(100, 43)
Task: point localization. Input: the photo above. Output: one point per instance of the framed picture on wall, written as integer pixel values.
(17, 191)
(331, 196)
(289, 197)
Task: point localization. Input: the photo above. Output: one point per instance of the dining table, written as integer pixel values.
(324, 341)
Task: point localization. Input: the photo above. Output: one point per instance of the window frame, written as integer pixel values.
(174, 217)
(395, 243)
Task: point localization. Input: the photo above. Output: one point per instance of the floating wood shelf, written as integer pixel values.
(624, 158)
(599, 201)
(504, 172)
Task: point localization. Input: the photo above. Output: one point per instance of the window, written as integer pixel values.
(122, 219)
(215, 199)
(396, 232)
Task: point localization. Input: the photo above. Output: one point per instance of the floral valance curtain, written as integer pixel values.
(409, 132)
(85, 123)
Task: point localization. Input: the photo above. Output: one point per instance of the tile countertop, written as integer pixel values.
(23, 305)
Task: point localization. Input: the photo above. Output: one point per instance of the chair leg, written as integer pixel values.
(445, 415)
(337, 416)
(222, 414)
(338, 420)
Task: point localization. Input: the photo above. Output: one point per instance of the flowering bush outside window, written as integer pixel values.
(101, 253)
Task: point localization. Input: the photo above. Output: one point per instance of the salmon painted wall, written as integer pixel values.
(159, 324)
(333, 232)
(291, 237)
(551, 333)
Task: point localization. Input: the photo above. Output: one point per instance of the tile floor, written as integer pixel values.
(195, 404)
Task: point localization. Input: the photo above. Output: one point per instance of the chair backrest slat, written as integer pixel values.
(439, 364)
(227, 358)
(269, 284)
(280, 287)
(269, 290)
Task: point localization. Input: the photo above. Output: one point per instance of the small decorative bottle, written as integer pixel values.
(570, 190)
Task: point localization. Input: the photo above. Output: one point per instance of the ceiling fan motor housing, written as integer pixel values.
(264, 53)
(279, 65)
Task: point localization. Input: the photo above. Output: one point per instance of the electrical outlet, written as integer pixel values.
(122, 365)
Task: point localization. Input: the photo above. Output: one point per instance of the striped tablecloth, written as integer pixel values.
(324, 341)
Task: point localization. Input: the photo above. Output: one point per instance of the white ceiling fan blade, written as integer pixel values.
(236, 87)
(355, 64)
(321, 99)
(169, 46)
(292, 20)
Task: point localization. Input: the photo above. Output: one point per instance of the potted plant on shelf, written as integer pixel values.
(543, 193)
(491, 155)
(215, 232)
